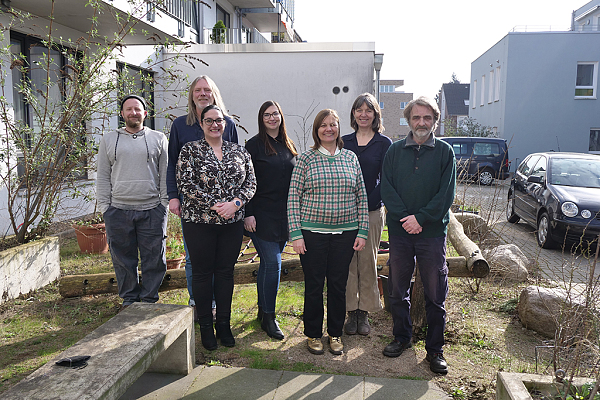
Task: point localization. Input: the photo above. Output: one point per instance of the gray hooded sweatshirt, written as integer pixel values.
(132, 170)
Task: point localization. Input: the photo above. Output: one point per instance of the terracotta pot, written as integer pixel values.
(91, 238)
(175, 263)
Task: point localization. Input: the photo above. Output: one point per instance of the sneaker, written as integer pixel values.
(315, 346)
(335, 345)
(437, 363)
(351, 325)
(363, 327)
(395, 348)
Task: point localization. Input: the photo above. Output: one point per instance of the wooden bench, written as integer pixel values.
(142, 337)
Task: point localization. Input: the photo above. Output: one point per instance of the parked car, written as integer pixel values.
(559, 194)
(480, 158)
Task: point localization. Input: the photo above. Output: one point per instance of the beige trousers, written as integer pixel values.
(362, 291)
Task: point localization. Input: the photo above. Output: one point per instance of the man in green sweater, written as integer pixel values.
(417, 188)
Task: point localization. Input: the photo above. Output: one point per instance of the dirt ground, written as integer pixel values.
(480, 341)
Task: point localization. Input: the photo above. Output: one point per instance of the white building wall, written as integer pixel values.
(295, 75)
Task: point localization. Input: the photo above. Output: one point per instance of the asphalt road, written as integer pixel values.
(553, 264)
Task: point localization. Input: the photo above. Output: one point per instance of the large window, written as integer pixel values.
(491, 88)
(585, 83)
(47, 75)
(403, 122)
(223, 15)
(482, 98)
(403, 105)
(497, 84)
(387, 88)
(141, 82)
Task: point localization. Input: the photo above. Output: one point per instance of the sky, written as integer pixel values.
(424, 42)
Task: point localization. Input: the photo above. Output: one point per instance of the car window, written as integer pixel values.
(486, 149)
(575, 172)
(540, 168)
(459, 148)
(527, 166)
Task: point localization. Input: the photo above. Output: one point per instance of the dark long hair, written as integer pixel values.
(283, 136)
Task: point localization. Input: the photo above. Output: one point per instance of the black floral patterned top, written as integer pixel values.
(203, 180)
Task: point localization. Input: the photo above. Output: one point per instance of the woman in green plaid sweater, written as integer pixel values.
(328, 220)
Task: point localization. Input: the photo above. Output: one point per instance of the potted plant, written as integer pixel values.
(219, 31)
(91, 235)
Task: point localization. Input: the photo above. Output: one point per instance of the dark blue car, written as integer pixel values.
(559, 195)
(481, 158)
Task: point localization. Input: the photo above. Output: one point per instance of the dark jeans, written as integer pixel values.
(130, 231)
(327, 256)
(430, 254)
(269, 271)
(213, 249)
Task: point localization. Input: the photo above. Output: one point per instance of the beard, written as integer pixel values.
(422, 133)
(133, 123)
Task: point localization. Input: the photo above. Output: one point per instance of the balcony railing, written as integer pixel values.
(182, 10)
(233, 36)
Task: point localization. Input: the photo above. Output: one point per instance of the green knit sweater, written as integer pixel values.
(420, 181)
(327, 194)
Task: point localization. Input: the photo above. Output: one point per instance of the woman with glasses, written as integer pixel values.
(216, 179)
(328, 218)
(273, 156)
(370, 146)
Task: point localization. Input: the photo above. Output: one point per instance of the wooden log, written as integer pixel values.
(466, 248)
(291, 270)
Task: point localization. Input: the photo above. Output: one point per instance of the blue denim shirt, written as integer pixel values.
(370, 158)
(181, 133)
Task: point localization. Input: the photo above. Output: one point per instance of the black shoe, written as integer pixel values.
(269, 324)
(207, 334)
(351, 324)
(224, 333)
(395, 348)
(260, 314)
(437, 363)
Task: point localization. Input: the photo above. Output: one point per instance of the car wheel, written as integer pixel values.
(544, 232)
(510, 209)
(486, 177)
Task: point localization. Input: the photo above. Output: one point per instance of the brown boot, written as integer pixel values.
(363, 327)
(351, 326)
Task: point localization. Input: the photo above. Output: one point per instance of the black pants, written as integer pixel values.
(327, 256)
(213, 249)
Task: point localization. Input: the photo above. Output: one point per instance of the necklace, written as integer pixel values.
(133, 134)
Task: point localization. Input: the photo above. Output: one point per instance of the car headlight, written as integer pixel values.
(586, 213)
(569, 209)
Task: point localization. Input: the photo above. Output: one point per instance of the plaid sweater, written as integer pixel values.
(327, 194)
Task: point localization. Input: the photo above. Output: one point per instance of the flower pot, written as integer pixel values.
(175, 263)
(91, 238)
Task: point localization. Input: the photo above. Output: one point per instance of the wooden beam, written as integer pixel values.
(291, 270)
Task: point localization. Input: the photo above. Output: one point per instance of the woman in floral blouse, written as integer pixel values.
(216, 179)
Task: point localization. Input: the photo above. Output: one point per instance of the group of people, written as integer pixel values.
(328, 201)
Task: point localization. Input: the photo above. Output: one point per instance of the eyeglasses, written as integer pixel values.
(274, 114)
(210, 121)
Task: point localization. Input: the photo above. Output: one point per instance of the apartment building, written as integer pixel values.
(392, 102)
(539, 90)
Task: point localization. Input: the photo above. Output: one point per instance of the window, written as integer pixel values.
(486, 149)
(223, 15)
(474, 95)
(403, 122)
(53, 80)
(381, 105)
(387, 88)
(482, 98)
(460, 149)
(403, 105)
(143, 85)
(527, 166)
(497, 85)
(491, 88)
(595, 140)
(585, 83)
